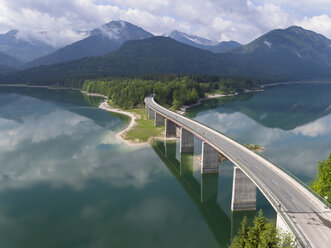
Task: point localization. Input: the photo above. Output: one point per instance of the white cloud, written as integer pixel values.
(320, 24)
(239, 20)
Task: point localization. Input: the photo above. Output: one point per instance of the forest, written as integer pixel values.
(170, 90)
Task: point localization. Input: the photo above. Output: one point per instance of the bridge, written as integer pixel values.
(299, 211)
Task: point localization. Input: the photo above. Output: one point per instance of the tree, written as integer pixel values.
(322, 183)
(240, 240)
(263, 234)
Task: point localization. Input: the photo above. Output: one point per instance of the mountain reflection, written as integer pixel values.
(285, 107)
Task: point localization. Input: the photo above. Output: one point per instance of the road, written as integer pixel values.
(309, 218)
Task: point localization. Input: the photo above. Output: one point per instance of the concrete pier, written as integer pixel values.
(147, 109)
(159, 120)
(209, 160)
(170, 129)
(243, 192)
(151, 114)
(186, 141)
(178, 131)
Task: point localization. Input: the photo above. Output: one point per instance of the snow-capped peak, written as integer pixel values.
(178, 35)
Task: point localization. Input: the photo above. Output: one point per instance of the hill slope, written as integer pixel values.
(159, 55)
(148, 56)
(101, 41)
(7, 61)
(289, 52)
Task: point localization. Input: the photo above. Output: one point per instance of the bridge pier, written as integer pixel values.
(151, 114)
(178, 131)
(159, 120)
(170, 129)
(186, 141)
(147, 109)
(209, 160)
(243, 192)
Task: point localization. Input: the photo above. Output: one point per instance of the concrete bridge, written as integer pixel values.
(298, 210)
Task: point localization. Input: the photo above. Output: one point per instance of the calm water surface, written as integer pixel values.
(292, 122)
(66, 182)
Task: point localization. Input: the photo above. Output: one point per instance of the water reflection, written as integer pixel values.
(299, 148)
(54, 145)
(205, 194)
(285, 107)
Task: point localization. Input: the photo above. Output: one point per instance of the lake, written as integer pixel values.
(66, 182)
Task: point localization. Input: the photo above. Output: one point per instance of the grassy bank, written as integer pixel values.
(144, 128)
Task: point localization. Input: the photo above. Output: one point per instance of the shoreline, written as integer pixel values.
(184, 108)
(119, 135)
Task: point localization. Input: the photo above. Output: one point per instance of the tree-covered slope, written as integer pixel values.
(150, 56)
(292, 53)
(161, 55)
(7, 61)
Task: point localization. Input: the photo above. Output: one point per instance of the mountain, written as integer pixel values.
(4, 68)
(292, 51)
(148, 56)
(8, 63)
(202, 43)
(23, 49)
(290, 54)
(101, 41)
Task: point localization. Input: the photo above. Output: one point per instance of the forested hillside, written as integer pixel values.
(170, 90)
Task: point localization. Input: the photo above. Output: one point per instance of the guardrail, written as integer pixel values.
(299, 236)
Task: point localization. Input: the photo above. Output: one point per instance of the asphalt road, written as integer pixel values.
(307, 218)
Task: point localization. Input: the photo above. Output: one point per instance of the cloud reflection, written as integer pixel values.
(63, 149)
(316, 128)
(297, 150)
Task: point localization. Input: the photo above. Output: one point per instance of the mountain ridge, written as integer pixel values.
(163, 55)
(202, 43)
(101, 41)
(24, 50)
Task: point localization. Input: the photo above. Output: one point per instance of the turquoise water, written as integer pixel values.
(66, 182)
(292, 122)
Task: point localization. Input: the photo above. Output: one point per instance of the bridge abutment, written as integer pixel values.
(243, 192)
(186, 141)
(159, 120)
(170, 129)
(209, 160)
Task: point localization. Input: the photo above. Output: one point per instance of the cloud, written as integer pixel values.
(241, 20)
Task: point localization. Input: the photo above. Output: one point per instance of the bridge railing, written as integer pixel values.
(300, 238)
(324, 201)
(273, 163)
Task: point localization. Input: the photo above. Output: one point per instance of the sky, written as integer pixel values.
(221, 20)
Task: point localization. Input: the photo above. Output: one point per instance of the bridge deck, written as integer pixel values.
(307, 215)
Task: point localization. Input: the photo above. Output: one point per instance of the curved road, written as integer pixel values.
(308, 217)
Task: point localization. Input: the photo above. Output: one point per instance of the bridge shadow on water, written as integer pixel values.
(204, 194)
